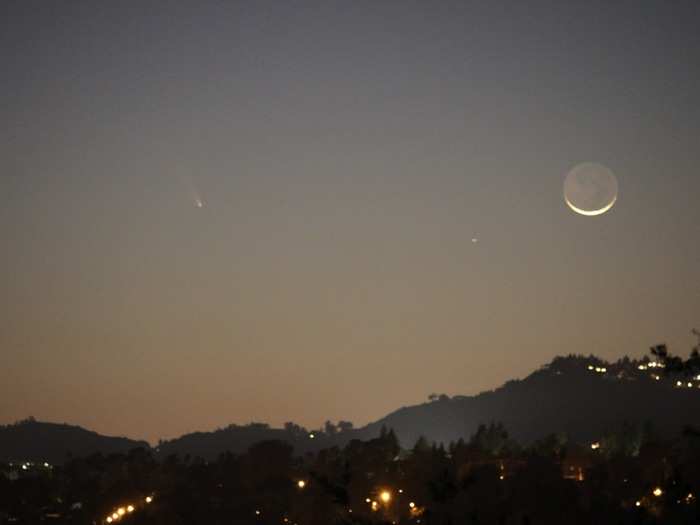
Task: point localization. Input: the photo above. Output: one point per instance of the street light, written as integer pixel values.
(385, 496)
(301, 483)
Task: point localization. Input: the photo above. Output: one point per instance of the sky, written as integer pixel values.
(224, 212)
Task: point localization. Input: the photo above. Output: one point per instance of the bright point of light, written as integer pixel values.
(678, 383)
(109, 519)
(590, 367)
(501, 477)
(130, 508)
(657, 492)
(121, 511)
(475, 240)
(637, 503)
(595, 445)
(115, 516)
(412, 505)
(311, 436)
(301, 483)
(46, 464)
(690, 385)
(149, 499)
(24, 467)
(257, 513)
(385, 496)
(400, 491)
(368, 500)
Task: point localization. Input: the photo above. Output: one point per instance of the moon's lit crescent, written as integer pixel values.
(590, 189)
(590, 213)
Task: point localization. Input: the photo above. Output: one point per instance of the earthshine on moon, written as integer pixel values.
(590, 189)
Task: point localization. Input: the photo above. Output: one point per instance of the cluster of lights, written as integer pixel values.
(599, 369)
(652, 364)
(28, 464)
(123, 511)
(681, 384)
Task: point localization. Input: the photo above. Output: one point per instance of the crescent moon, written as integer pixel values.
(590, 213)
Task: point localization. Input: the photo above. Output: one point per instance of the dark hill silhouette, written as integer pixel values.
(31, 440)
(564, 396)
(582, 397)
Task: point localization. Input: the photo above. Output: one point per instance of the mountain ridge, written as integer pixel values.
(581, 397)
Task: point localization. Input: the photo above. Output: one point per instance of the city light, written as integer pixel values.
(412, 505)
(657, 492)
(595, 445)
(301, 483)
(637, 503)
(149, 499)
(385, 496)
(130, 508)
(121, 511)
(109, 519)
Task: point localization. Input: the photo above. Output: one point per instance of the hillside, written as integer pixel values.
(582, 397)
(569, 395)
(54, 443)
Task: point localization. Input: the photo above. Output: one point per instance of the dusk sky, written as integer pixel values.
(224, 212)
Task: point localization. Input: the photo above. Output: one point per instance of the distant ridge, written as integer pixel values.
(32, 440)
(581, 397)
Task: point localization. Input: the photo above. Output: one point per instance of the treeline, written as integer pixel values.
(629, 476)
